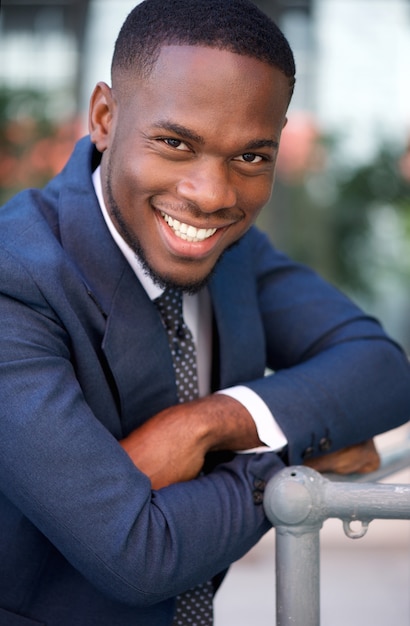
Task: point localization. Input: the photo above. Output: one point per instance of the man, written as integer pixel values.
(117, 495)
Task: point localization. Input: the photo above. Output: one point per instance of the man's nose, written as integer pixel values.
(208, 184)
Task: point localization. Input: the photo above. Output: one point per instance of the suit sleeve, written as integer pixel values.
(337, 379)
(69, 476)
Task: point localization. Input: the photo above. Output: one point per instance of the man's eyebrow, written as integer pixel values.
(180, 130)
(262, 143)
(187, 133)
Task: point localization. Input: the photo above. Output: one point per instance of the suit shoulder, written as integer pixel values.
(256, 249)
(30, 251)
(27, 212)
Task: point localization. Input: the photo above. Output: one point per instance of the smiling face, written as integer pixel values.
(189, 155)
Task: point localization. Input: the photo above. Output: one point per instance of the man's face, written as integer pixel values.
(189, 155)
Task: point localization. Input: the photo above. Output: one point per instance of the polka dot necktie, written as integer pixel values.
(195, 606)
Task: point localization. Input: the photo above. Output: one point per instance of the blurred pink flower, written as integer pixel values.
(31, 153)
(300, 150)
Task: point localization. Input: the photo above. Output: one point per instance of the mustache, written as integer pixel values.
(192, 210)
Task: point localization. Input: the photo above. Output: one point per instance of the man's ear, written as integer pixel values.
(101, 116)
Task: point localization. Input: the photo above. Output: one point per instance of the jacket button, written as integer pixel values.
(259, 484)
(325, 444)
(257, 496)
(308, 452)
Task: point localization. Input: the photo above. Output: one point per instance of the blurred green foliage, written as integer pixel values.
(33, 144)
(351, 223)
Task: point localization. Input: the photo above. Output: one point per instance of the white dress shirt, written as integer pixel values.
(197, 312)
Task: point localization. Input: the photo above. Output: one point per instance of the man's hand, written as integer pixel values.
(171, 446)
(358, 459)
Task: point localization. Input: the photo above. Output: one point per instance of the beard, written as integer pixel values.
(164, 282)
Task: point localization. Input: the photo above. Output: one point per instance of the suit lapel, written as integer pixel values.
(136, 347)
(134, 341)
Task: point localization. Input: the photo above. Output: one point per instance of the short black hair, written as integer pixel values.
(235, 25)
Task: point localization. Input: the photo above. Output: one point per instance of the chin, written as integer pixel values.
(189, 285)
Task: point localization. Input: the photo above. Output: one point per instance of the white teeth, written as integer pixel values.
(187, 232)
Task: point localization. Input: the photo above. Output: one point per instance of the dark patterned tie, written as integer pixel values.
(194, 607)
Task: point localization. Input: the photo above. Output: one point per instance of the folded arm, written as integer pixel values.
(66, 473)
(168, 451)
(338, 379)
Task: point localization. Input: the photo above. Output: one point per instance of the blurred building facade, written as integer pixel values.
(351, 57)
(41, 47)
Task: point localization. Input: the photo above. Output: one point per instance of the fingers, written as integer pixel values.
(361, 458)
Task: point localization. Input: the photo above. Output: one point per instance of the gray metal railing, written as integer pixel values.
(298, 500)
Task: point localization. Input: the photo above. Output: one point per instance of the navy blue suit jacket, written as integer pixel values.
(84, 360)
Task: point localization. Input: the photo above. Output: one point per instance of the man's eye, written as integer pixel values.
(175, 143)
(250, 157)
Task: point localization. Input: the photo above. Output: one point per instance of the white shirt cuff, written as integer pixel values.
(267, 428)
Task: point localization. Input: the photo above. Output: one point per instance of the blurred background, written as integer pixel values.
(341, 204)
